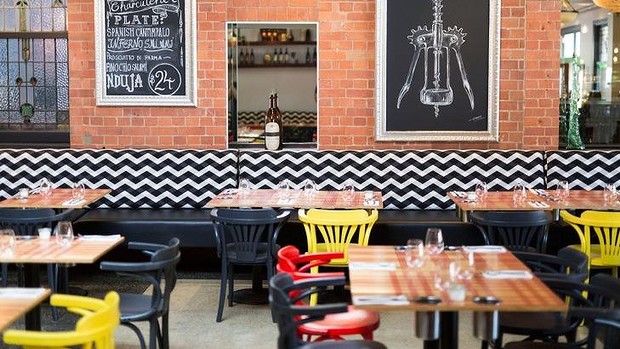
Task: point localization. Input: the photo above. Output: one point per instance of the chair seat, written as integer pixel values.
(260, 258)
(526, 323)
(595, 257)
(135, 307)
(348, 344)
(354, 321)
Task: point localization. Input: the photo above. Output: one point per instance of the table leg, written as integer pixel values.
(32, 279)
(449, 323)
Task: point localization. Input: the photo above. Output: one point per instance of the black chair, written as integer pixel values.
(601, 293)
(517, 230)
(569, 264)
(284, 297)
(603, 331)
(245, 237)
(160, 272)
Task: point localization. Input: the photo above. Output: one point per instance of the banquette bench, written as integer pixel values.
(157, 194)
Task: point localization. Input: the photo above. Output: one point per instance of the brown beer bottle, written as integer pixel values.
(273, 124)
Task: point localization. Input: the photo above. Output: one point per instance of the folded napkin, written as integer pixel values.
(380, 300)
(73, 202)
(112, 237)
(371, 202)
(485, 249)
(538, 204)
(460, 194)
(285, 201)
(507, 274)
(20, 292)
(372, 266)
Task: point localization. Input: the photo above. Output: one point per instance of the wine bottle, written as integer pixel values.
(273, 124)
(308, 55)
(286, 56)
(314, 56)
(252, 57)
(275, 56)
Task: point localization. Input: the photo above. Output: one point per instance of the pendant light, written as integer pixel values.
(611, 5)
(569, 14)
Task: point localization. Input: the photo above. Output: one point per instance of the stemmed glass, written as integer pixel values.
(434, 241)
(562, 191)
(45, 187)
(348, 191)
(77, 190)
(610, 193)
(310, 187)
(7, 240)
(64, 233)
(283, 188)
(519, 194)
(467, 268)
(244, 186)
(481, 191)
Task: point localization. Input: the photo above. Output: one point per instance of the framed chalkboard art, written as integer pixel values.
(437, 71)
(145, 52)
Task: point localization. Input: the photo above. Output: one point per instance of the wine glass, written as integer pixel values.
(283, 188)
(434, 241)
(348, 191)
(64, 233)
(467, 268)
(562, 191)
(610, 193)
(310, 187)
(77, 190)
(414, 253)
(244, 185)
(519, 194)
(481, 191)
(45, 187)
(7, 240)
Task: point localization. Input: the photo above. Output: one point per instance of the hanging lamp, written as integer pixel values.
(569, 14)
(611, 5)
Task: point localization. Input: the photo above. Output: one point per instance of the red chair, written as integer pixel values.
(333, 326)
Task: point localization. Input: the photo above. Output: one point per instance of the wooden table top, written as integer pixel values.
(514, 294)
(15, 302)
(502, 201)
(81, 251)
(59, 198)
(295, 199)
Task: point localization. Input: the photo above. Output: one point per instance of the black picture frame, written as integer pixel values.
(449, 52)
(145, 53)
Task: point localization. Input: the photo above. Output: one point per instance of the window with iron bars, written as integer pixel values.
(34, 73)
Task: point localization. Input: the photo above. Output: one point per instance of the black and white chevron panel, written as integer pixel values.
(407, 179)
(288, 117)
(583, 169)
(138, 178)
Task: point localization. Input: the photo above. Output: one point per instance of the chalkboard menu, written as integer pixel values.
(144, 52)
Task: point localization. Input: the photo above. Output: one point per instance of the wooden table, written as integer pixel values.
(503, 201)
(60, 198)
(295, 199)
(15, 302)
(33, 252)
(514, 294)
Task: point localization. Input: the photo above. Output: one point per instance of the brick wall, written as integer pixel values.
(528, 79)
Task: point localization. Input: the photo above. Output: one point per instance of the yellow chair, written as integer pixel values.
(335, 230)
(94, 329)
(606, 226)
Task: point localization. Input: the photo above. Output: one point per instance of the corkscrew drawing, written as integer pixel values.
(436, 44)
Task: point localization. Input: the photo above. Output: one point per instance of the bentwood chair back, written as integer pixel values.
(602, 247)
(333, 326)
(245, 237)
(599, 311)
(335, 230)
(517, 230)
(284, 297)
(94, 329)
(160, 272)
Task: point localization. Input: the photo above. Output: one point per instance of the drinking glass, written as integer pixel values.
(434, 241)
(244, 185)
(481, 191)
(64, 233)
(283, 188)
(45, 187)
(562, 190)
(467, 268)
(7, 240)
(519, 194)
(610, 193)
(77, 190)
(348, 191)
(310, 187)
(414, 253)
